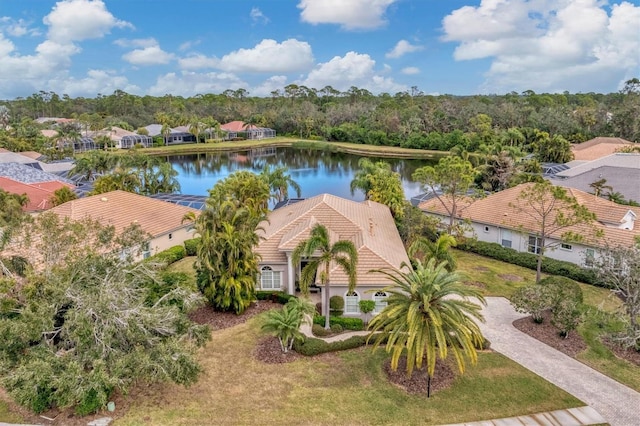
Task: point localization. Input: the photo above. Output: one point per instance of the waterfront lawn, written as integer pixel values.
(339, 388)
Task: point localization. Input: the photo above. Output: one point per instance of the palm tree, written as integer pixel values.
(428, 314)
(321, 254)
(196, 128)
(285, 325)
(279, 182)
(62, 195)
(438, 250)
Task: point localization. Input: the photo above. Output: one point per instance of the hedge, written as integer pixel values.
(274, 296)
(191, 246)
(355, 324)
(168, 256)
(312, 346)
(530, 260)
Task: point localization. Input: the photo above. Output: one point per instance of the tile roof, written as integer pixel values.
(625, 160)
(500, 209)
(368, 225)
(236, 126)
(27, 174)
(617, 177)
(39, 193)
(31, 154)
(121, 209)
(598, 147)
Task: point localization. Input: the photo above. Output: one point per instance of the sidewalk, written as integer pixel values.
(581, 416)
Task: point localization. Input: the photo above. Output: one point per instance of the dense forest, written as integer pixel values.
(408, 119)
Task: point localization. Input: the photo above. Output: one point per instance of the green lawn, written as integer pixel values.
(8, 416)
(340, 388)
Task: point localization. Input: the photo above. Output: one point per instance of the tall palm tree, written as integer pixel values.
(438, 250)
(321, 254)
(279, 182)
(196, 127)
(428, 314)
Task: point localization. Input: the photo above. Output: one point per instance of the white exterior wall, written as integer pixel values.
(366, 292)
(276, 267)
(178, 237)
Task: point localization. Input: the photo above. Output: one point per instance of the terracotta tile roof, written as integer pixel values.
(499, 210)
(598, 147)
(39, 193)
(368, 225)
(236, 126)
(121, 209)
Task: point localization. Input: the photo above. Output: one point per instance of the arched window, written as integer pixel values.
(270, 279)
(351, 299)
(381, 301)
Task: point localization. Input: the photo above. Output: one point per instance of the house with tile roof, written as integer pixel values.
(176, 135)
(235, 129)
(369, 225)
(123, 139)
(598, 147)
(497, 219)
(38, 193)
(620, 170)
(161, 220)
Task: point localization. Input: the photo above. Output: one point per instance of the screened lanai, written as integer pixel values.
(129, 141)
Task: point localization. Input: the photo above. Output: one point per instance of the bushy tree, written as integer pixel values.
(380, 184)
(531, 299)
(227, 264)
(83, 327)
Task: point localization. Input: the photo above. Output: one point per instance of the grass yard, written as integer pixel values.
(340, 388)
(499, 279)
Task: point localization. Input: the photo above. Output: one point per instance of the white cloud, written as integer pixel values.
(136, 42)
(410, 70)
(198, 61)
(550, 45)
(402, 48)
(188, 45)
(351, 14)
(96, 81)
(270, 56)
(77, 20)
(191, 83)
(276, 82)
(17, 28)
(150, 55)
(257, 15)
(353, 69)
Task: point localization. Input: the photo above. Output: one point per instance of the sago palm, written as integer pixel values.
(321, 254)
(285, 325)
(428, 314)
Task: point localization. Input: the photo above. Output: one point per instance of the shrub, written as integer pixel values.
(529, 260)
(168, 256)
(336, 305)
(562, 288)
(319, 330)
(366, 307)
(566, 316)
(337, 328)
(275, 296)
(354, 324)
(531, 299)
(311, 346)
(191, 246)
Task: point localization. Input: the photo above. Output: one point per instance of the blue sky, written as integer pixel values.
(187, 47)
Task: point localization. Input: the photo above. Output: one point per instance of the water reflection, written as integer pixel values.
(315, 171)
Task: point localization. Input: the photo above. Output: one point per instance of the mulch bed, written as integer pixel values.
(220, 320)
(548, 334)
(268, 351)
(442, 378)
(573, 344)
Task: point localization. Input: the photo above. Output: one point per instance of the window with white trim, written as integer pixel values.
(351, 302)
(535, 244)
(146, 250)
(505, 240)
(567, 247)
(381, 301)
(270, 279)
(589, 257)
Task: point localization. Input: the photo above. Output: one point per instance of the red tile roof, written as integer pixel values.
(598, 147)
(39, 193)
(236, 126)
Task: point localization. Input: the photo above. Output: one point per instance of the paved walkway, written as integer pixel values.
(580, 416)
(617, 403)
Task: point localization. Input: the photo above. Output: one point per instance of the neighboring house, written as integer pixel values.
(161, 220)
(39, 193)
(236, 129)
(177, 135)
(369, 225)
(494, 220)
(621, 171)
(123, 139)
(30, 158)
(598, 147)
(29, 173)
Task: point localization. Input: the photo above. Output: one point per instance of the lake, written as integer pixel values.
(316, 171)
